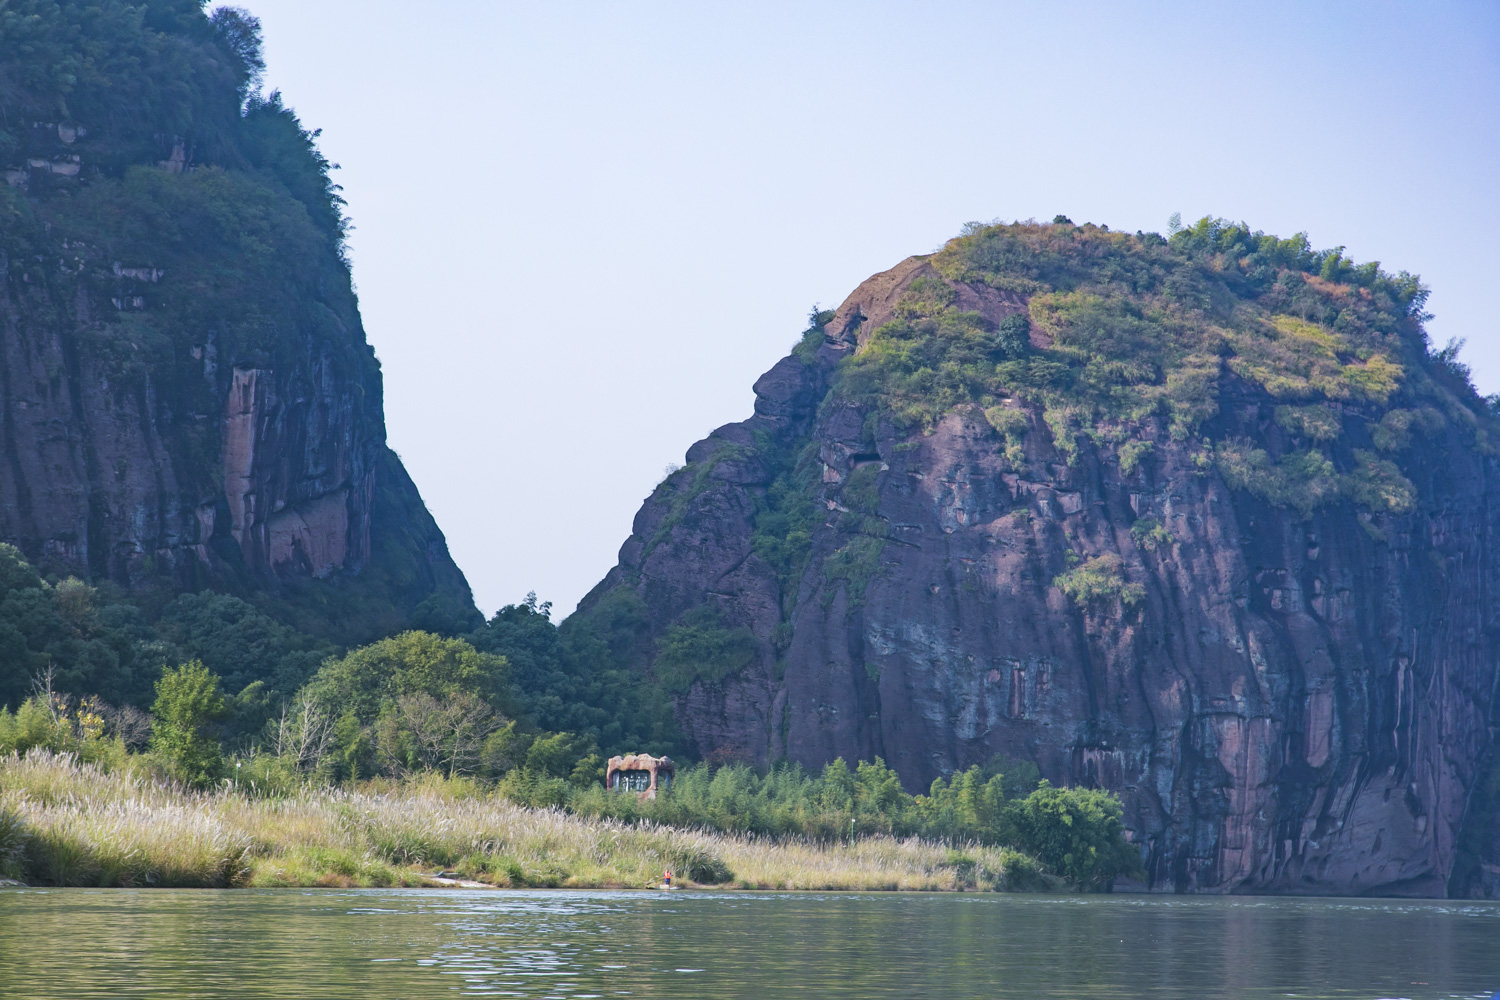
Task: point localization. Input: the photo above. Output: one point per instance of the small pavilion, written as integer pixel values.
(640, 773)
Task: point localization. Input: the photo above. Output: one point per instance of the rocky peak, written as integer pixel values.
(1203, 522)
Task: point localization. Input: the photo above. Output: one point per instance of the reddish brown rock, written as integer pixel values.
(1297, 704)
(205, 469)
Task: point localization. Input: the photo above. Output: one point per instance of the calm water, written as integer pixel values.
(414, 943)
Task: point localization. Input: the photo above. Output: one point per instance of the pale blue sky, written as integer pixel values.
(583, 230)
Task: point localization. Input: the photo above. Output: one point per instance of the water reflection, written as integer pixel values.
(414, 944)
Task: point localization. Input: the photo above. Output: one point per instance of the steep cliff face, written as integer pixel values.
(1204, 523)
(187, 399)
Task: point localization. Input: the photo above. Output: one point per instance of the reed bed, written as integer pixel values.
(66, 823)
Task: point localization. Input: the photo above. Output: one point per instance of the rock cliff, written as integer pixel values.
(1205, 522)
(187, 399)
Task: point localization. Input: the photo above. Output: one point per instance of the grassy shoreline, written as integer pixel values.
(63, 823)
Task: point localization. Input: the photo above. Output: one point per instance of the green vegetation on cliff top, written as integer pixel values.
(160, 157)
(1136, 338)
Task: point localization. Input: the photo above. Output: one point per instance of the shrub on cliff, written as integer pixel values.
(1139, 328)
(1099, 579)
(701, 648)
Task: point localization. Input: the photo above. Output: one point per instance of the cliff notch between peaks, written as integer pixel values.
(1202, 521)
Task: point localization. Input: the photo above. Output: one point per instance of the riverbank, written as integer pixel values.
(67, 824)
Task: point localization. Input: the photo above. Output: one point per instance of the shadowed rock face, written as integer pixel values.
(1284, 701)
(187, 399)
(257, 477)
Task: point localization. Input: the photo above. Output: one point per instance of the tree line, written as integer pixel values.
(420, 704)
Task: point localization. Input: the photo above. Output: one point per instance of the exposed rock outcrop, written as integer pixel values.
(1288, 676)
(273, 483)
(187, 399)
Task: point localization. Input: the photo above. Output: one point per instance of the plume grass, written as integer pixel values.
(68, 823)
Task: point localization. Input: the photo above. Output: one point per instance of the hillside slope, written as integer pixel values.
(1202, 521)
(187, 399)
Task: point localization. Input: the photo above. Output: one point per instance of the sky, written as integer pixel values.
(583, 230)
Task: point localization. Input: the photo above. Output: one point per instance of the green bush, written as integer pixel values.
(813, 337)
(188, 702)
(1131, 454)
(1076, 833)
(1317, 423)
(701, 648)
(1149, 534)
(1304, 480)
(51, 722)
(368, 679)
(970, 807)
(1308, 480)
(698, 864)
(1013, 336)
(1099, 579)
(1377, 484)
(264, 775)
(38, 722)
(855, 563)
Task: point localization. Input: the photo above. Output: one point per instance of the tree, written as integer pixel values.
(1013, 336)
(239, 32)
(837, 793)
(1075, 832)
(559, 755)
(971, 807)
(878, 789)
(188, 703)
(448, 734)
(240, 644)
(303, 734)
(371, 678)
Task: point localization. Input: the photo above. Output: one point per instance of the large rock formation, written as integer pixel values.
(187, 399)
(1209, 527)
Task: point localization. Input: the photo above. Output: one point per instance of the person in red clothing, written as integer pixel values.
(666, 879)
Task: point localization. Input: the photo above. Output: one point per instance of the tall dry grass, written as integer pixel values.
(66, 823)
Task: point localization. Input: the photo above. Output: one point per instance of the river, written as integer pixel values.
(413, 944)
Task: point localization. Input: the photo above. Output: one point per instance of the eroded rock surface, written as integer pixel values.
(1286, 701)
(276, 481)
(187, 399)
